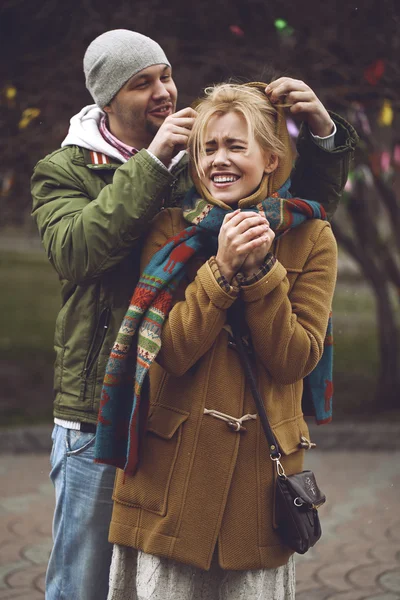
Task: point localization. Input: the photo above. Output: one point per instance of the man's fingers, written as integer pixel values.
(178, 130)
(179, 122)
(294, 97)
(302, 107)
(177, 139)
(287, 84)
(185, 112)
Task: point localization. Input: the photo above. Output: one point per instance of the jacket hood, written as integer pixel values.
(84, 132)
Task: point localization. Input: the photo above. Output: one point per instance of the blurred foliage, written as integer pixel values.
(346, 51)
(329, 45)
(29, 303)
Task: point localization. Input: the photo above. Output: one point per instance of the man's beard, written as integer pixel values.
(152, 128)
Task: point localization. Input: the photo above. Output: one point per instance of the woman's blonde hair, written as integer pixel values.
(251, 102)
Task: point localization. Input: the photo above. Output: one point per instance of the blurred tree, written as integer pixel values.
(346, 50)
(368, 228)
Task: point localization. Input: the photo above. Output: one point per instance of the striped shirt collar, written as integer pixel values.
(126, 151)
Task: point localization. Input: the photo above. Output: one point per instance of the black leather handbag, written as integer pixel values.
(297, 497)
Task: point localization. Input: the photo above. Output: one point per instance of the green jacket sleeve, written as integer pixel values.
(87, 227)
(321, 174)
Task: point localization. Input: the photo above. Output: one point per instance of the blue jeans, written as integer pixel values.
(80, 560)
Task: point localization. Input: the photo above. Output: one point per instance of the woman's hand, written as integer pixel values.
(304, 103)
(241, 234)
(255, 259)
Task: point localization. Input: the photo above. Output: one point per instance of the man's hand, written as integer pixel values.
(241, 233)
(173, 135)
(303, 102)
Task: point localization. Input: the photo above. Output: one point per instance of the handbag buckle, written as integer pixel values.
(279, 467)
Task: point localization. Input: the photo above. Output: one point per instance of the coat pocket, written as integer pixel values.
(149, 487)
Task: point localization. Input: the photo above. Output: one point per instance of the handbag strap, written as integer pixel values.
(239, 327)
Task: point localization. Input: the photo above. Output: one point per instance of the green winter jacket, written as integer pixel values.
(91, 219)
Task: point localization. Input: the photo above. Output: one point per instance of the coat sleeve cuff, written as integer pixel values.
(153, 166)
(327, 142)
(346, 138)
(264, 286)
(208, 277)
(265, 268)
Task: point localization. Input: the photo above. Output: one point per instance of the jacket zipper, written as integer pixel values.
(96, 345)
(173, 186)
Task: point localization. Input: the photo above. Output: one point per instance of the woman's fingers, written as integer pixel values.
(241, 228)
(230, 215)
(252, 245)
(250, 234)
(241, 233)
(241, 220)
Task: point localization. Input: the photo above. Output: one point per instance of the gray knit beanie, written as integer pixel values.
(114, 57)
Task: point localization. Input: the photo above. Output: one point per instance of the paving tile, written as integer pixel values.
(383, 597)
(23, 525)
(317, 594)
(9, 594)
(351, 595)
(22, 595)
(40, 582)
(37, 554)
(327, 549)
(390, 581)
(45, 529)
(10, 551)
(360, 525)
(305, 571)
(306, 586)
(360, 549)
(334, 576)
(365, 577)
(386, 552)
(375, 528)
(8, 568)
(25, 576)
(394, 531)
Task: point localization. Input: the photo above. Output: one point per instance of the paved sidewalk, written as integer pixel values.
(358, 557)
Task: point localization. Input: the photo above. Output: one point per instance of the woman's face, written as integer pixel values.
(233, 167)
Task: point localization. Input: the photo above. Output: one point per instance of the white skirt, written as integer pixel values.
(135, 575)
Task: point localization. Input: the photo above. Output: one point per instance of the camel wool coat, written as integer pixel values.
(200, 484)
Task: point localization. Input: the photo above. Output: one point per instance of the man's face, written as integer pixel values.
(143, 103)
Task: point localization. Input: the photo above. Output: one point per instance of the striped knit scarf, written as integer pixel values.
(123, 405)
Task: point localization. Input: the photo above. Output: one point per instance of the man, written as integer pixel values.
(122, 161)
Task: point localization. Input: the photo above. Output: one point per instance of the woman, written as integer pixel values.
(199, 504)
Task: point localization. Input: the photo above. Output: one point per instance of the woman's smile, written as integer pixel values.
(222, 180)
